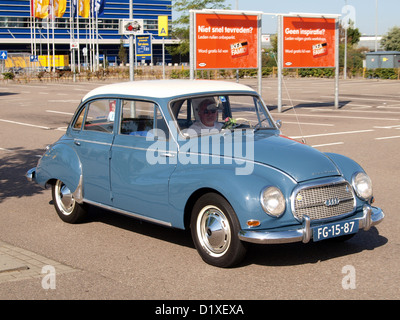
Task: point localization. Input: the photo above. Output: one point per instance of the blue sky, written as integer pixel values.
(365, 11)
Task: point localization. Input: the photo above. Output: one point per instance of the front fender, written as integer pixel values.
(241, 191)
(60, 162)
(346, 166)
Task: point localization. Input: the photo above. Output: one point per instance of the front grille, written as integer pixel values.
(324, 201)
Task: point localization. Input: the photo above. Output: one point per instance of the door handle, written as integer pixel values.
(77, 143)
(167, 154)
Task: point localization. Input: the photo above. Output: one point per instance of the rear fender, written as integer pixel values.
(60, 162)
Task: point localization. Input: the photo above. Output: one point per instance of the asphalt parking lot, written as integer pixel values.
(114, 257)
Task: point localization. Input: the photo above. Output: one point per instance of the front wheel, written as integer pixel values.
(65, 204)
(215, 229)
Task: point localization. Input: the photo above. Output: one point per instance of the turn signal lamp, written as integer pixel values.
(253, 223)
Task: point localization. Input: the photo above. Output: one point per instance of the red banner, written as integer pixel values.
(226, 41)
(308, 42)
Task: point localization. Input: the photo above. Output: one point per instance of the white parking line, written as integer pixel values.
(311, 124)
(341, 117)
(387, 127)
(355, 110)
(333, 134)
(358, 107)
(60, 112)
(25, 124)
(358, 98)
(68, 100)
(389, 107)
(326, 144)
(385, 138)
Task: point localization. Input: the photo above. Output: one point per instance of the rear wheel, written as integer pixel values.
(65, 204)
(215, 229)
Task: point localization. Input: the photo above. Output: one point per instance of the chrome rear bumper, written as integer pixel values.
(30, 174)
(371, 217)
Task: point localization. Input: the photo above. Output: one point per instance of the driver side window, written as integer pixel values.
(99, 116)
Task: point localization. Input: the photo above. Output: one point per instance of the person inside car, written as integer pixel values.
(208, 112)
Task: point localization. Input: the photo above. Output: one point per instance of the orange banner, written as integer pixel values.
(226, 41)
(59, 7)
(308, 42)
(40, 8)
(84, 8)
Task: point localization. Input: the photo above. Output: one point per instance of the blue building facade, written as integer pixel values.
(18, 31)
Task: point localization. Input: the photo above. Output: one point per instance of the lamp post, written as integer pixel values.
(376, 25)
(131, 60)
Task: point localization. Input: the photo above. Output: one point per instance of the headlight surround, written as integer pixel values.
(362, 185)
(273, 201)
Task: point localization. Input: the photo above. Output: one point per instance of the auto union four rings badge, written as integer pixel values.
(331, 202)
(328, 202)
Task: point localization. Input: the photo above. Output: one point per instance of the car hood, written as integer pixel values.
(298, 160)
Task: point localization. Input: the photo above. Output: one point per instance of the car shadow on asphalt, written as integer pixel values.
(15, 162)
(173, 235)
(268, 255)
(328, 105)
(299, 253)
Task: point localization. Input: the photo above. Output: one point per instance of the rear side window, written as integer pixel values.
(100, 116)
(142, 119)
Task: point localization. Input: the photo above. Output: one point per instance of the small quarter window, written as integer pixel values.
(79, 120)
(100, 115)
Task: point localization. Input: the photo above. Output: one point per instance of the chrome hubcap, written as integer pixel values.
(213, 230)
(65, 199)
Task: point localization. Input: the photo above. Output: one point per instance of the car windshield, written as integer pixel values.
(213, 114)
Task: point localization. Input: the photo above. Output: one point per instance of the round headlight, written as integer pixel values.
(273, 201)
(362, 185)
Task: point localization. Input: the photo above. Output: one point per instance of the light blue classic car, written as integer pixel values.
(204, 155)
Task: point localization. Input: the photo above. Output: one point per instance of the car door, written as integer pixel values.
(93, 134)
(141, 165)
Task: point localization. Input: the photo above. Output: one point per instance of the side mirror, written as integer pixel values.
(278, 123)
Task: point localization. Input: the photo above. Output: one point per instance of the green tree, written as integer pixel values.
(391, 41)
(122, 52)
(353, 35)
(180, 27)
(354, 56)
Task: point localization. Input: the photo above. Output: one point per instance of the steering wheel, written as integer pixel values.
(243, 120)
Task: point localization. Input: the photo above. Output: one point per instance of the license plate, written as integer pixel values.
(335, 230)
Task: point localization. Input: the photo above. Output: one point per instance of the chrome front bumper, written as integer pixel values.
(371, 217)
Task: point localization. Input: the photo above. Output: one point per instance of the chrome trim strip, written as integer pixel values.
(91, 141)
(127, 213)
(144, 149)
(371, 217)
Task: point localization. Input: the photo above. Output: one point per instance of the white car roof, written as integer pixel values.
(166, 88)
